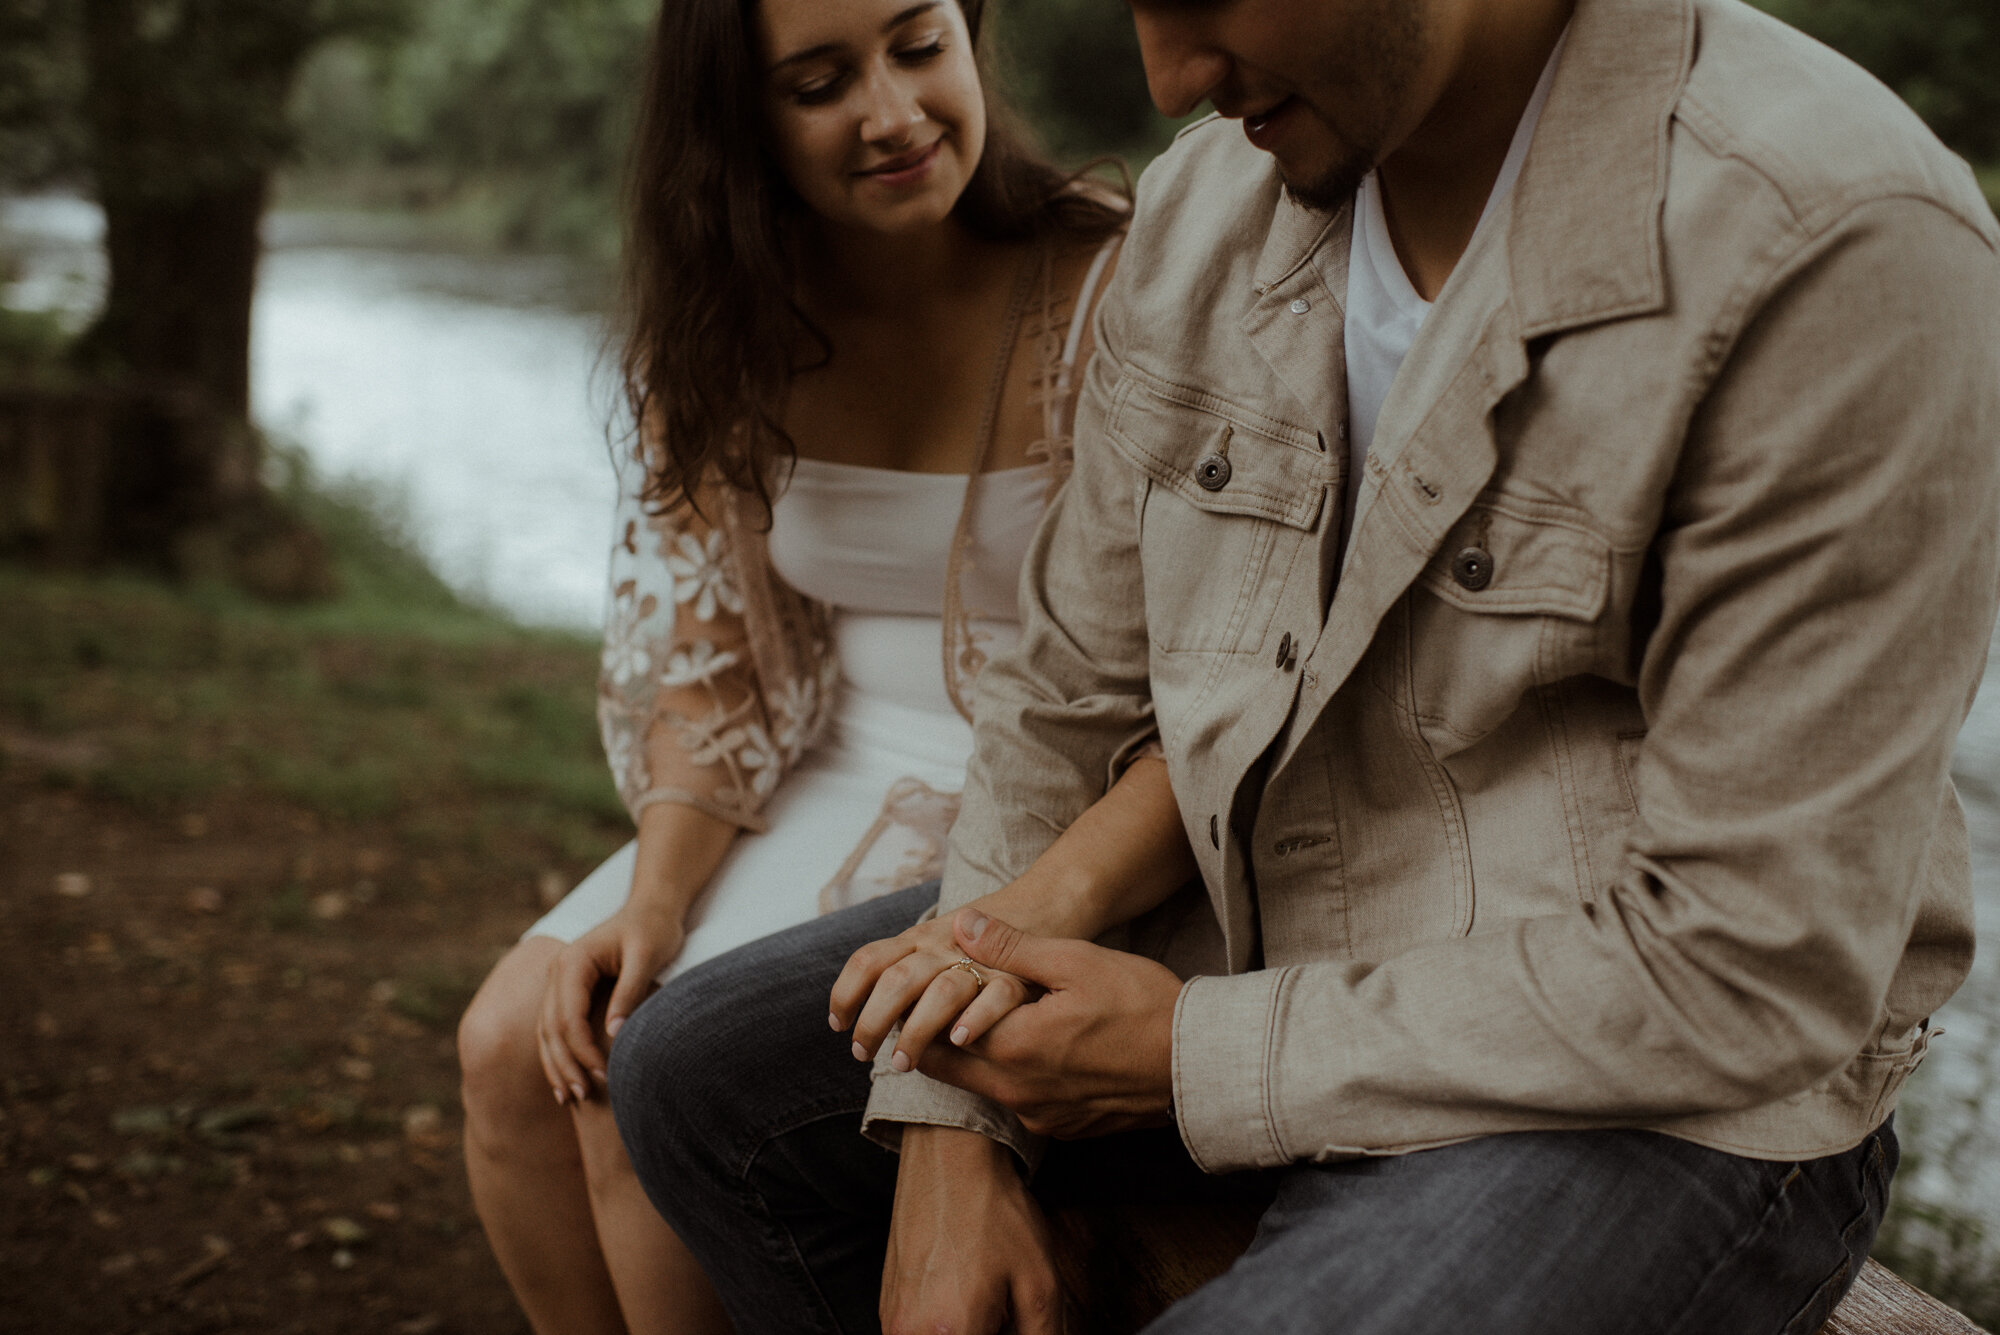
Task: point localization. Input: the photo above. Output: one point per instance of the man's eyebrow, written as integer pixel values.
(831, 48)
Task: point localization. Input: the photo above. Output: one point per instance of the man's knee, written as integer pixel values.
(667, 1075)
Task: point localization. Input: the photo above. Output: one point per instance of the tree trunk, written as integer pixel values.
(183, 272)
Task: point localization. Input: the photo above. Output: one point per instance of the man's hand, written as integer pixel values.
(967, 1245)
(1093, 1055)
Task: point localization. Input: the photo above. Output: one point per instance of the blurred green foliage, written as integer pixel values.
(1941, 56)
(518, 110)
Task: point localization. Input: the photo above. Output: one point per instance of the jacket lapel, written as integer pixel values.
(1581, 244)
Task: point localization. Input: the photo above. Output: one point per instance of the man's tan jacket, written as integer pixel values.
(1612, 786)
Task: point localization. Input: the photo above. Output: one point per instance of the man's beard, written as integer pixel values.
(1391, 52)
(1329, 191)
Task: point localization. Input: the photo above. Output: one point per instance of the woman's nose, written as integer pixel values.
(890, 109)
(1181, 68)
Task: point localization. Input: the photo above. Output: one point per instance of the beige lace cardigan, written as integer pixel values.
(717, 676)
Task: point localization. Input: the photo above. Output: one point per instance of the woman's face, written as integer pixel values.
(874, 107)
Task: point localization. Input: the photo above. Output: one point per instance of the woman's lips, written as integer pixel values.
(1268, 126)
(905, 169)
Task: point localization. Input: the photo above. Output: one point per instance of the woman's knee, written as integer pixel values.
(499, 1063)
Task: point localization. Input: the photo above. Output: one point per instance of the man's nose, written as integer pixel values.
(1181, 67)
(889, 108)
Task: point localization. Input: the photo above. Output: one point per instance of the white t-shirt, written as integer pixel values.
(1384, 312)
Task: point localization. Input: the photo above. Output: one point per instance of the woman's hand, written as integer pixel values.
(914, 978)
(630, 947)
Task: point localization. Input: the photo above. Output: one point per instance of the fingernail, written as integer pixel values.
(959, 1035)
(901, 1061)
(974, 923)
(561, 1097)
(860, 1053)
(602, 1078)
(613, 1025)
(579, 1092)
(833, 1022)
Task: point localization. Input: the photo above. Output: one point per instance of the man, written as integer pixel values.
(1538, 478)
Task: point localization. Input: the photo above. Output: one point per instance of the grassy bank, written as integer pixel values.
(397, 701)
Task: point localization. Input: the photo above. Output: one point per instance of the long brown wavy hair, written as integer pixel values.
(713, 331)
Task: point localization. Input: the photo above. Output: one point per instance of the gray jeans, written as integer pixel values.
(741, 1111)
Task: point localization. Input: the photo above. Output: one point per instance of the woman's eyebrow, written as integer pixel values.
(833, 48)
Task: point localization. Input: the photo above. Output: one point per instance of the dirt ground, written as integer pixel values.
(219, 1115)
(252, 866)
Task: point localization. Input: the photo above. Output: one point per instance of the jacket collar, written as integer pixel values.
(1594, 183)
(1586, 245)
(1582, 243)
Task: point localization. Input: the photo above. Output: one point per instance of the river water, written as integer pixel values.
(469, 392)
(463, 391)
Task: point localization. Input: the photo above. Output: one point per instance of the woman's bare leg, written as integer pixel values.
(522, 1157)
(561, 1206)
(660, 1286)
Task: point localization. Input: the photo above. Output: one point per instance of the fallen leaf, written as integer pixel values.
(194, 825)
(72, 885)
(343, 1231)
(422, 1120)
(216, 1250)
(386, 1211)
(354, 1068)
(220, 1122)
(121, 1264)
(84, 1163)
(383, 992)
(105, 1219)
(143, 1121)
(300, 1240)
(47, 1026)
(203, 899)
(330, 906)
(550, 887)
(427, 1324)
(343, 1259)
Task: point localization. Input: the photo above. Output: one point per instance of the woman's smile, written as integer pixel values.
(906, 168)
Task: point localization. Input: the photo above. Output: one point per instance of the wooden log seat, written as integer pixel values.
(1122, 1266)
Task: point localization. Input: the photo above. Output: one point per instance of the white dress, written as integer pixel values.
(864, 812)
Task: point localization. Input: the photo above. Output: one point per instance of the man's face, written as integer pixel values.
(1328, 88)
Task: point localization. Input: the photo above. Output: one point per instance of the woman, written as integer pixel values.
(857, 315)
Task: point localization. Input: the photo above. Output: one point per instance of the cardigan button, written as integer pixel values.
(1473, 568)
(1212, 472)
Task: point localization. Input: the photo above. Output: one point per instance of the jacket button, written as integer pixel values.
(1473, 568)
(1285, 652)
(1212, 473)
(1214, 832)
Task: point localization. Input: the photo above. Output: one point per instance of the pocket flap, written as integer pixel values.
(1167, 431)
(1532, 563)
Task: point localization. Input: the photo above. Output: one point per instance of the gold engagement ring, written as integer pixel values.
(978, 978)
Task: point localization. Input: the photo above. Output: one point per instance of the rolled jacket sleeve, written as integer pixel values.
(1827, 575)
(1056, 717)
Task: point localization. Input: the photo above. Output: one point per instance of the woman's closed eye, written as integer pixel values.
(829, 86)
(923, 53)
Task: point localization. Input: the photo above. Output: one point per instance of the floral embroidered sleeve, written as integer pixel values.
(679, 702)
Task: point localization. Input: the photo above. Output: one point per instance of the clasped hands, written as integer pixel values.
(1073, 1038)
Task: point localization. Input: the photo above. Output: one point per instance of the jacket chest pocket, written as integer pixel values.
(1513, 599)
(1231, 499)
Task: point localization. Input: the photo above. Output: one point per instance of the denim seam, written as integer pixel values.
(1735, 1250)
(832, 1323)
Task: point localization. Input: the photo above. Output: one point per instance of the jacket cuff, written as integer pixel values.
(910, 1098)
(1223, 1034)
